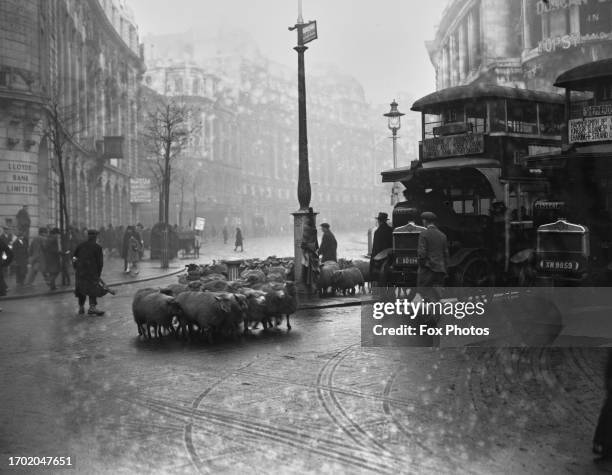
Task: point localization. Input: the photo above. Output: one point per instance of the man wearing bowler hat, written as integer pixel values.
(432, 253)
(383, 239)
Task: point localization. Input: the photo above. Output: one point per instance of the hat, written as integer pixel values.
(92, 232)
(382, 216)
(429, 216)
(325, 225)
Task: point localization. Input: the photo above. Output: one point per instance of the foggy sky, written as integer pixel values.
(379, 42)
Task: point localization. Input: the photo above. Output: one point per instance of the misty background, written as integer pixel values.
(380, 43)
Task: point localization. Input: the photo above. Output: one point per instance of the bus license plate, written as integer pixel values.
(406, 260)
(559, 265)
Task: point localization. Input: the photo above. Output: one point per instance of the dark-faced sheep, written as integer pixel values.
(325, 276)
(347, 279)
(207, 310)
(152, 308)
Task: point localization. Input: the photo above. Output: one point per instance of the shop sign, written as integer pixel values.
(454, 145)
(18, 177)
(550, 45)
(140, 190)
(592, 129)
(551, 5)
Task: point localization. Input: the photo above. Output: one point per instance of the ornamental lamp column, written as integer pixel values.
(306, 32)
(394, 124)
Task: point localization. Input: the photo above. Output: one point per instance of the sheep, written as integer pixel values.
(152, 308)
(289, 303)
(347, 279)
(256, 311)
(174, 289)
(325, 275)
(207, 310)
(364, 268)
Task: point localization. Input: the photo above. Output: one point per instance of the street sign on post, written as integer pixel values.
(200, 223)
(309, 32)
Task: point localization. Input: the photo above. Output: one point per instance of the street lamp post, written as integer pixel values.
(394, 123)
(306, 32)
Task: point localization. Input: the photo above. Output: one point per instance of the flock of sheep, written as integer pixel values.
(206, 304)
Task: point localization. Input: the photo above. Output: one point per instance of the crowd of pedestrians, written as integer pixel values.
(50, 255)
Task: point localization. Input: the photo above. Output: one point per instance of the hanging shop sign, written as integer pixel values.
(309, 32)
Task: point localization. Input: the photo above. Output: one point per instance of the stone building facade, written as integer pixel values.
(85, 58)
(262, 96)
(522, 43)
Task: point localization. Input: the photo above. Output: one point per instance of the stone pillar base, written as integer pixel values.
(299, 219)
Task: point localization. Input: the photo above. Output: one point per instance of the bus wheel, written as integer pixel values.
(475, 278)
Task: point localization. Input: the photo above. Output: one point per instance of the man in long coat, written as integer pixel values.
(88, 261)
(329, 245)
(383, 239)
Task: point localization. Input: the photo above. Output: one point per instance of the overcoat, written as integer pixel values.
(88, 263)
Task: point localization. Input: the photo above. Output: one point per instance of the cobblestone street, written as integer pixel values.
(308, 401)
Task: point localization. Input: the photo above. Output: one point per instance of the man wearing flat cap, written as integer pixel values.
(329, 245)
(88, 261)
(432, 253)
(383, 239)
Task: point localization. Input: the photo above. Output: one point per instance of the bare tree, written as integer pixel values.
(167, 130)
(61, 130)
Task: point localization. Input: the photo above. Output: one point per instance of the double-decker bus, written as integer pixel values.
(574, 244)
(471, 174)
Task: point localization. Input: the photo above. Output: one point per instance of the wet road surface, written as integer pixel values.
(306, 401)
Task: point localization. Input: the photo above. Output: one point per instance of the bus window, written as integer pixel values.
(498, 115)
(431, 121)
(476, 115)
(522, 117)
(551, 119)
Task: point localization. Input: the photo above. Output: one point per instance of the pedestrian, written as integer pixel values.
(432, 255)
(225, 234)
(197, 243)
(329, 245)
(23, 223)
(140, 237)
(133, 252)
(238, 240)
(6, 257)
(20, 251)
(88, 262)
(382, 240)
(125, 248)
(310, 256)
(36, 256)
(52, 257)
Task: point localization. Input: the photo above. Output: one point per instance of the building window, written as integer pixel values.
(178, 85)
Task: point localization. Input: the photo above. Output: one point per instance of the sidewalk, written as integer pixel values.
(351, 246)
(113, 274)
